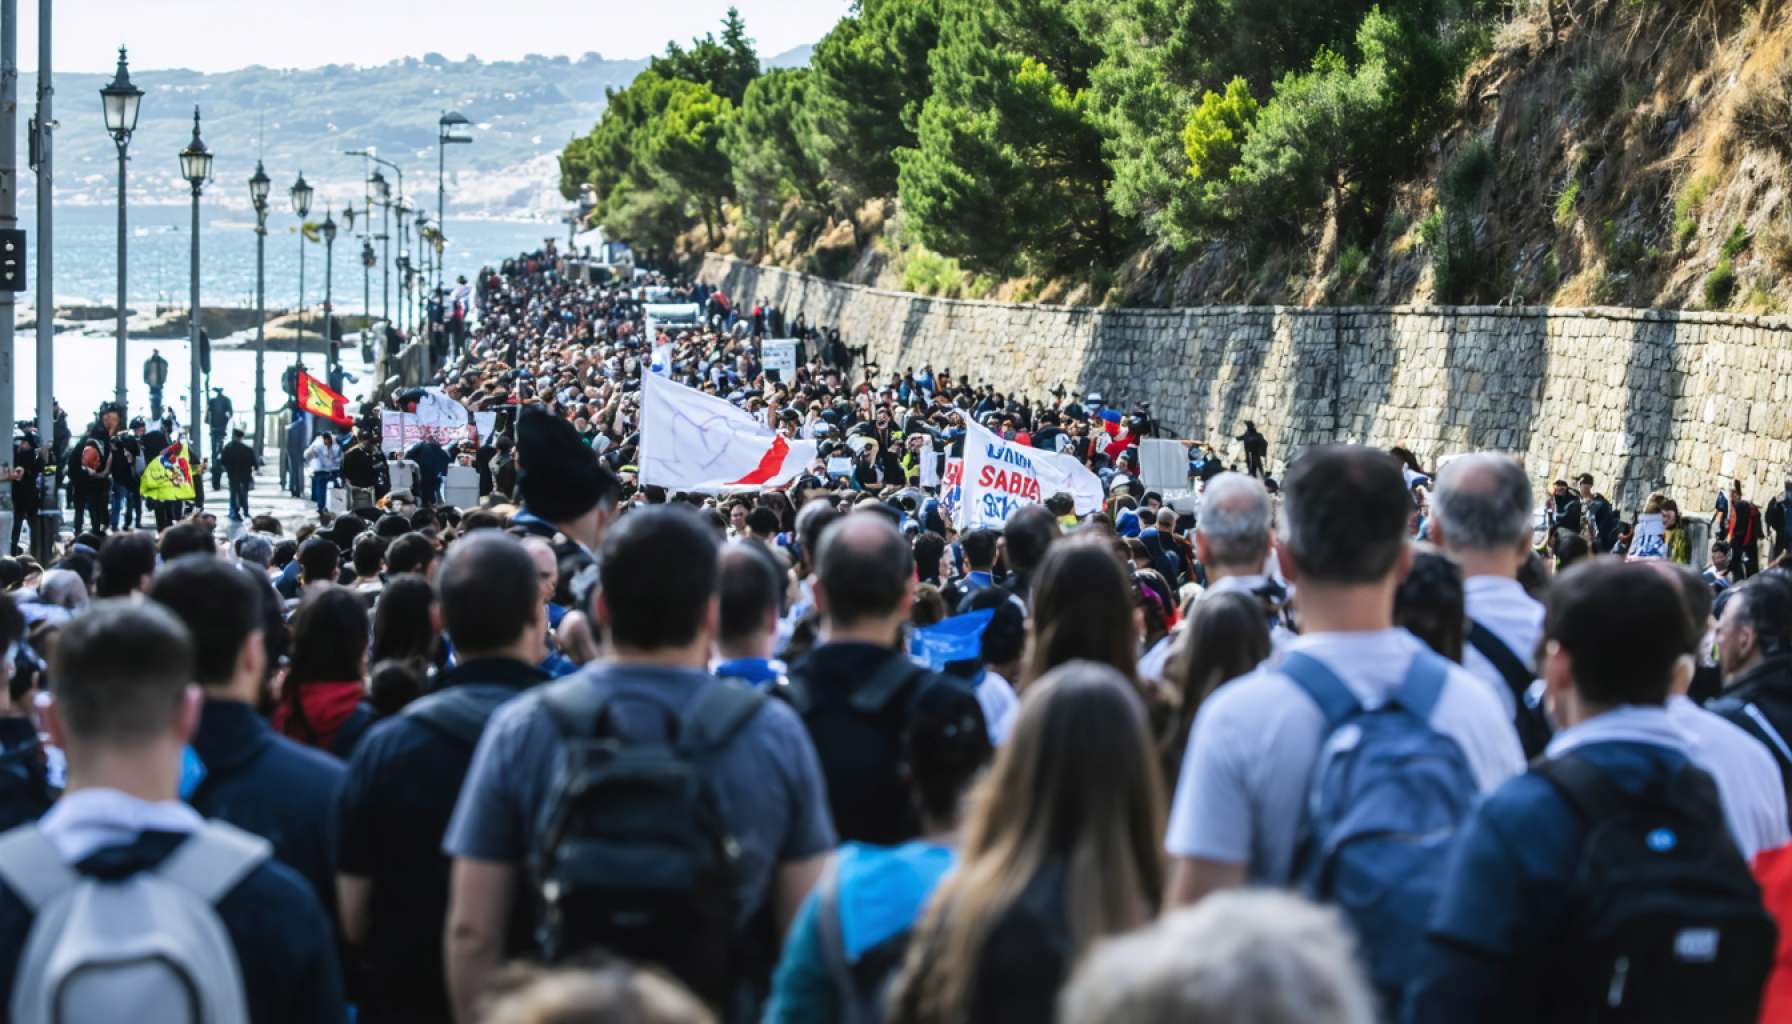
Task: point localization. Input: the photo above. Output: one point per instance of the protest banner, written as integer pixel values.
(691, 441)
(400, 430)
(1002, 476)
(1649, 539)
(952, 489)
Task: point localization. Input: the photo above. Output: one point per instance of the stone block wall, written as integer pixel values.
(1642, 399)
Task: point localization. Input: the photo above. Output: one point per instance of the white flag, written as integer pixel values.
(1000, 476)
(691, 441)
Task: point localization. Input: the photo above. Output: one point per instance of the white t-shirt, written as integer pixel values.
(1509, 613)
(1748, 779)
(1243, 788)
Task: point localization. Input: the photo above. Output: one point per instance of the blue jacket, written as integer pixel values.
(1495, 929)
(264, 783)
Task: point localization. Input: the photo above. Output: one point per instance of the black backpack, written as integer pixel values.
(631, 854)
(1532, 722)
(1667, 923)
(858, 739)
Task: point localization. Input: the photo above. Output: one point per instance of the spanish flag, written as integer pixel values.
(319, 400)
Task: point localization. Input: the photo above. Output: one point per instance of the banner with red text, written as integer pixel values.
(1001, 476)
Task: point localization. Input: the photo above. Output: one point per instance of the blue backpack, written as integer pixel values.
(1387, 795)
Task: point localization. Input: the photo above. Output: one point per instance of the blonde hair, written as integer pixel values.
(612, 991)
(1075, 783)
(1654, 503)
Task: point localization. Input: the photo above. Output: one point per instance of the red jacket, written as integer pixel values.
(326, 706)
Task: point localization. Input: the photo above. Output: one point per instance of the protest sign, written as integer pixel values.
(1650, 537)
(1163, 465)
(928, 463)
(400, 430)
(779, 354)
(1001, 476)
(951, 489)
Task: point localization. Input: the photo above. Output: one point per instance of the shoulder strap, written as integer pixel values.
(884, 684)
(573, 705)
(831, 936)
(1588, 790)
(1774, 739)
(1420, 691)
(1323, 686)
(32, 867)
(1510, 667)
(722, 710)
(214, 859)
(454, 712)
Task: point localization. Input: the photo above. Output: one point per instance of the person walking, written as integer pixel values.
(323, 460)
(238, 461)
(1744, 534)
(1256, 449)
(125, 509)
(218, 413)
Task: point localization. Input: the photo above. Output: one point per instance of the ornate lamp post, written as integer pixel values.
(259, 186)
(446, 136)
(301, 205)
(120, 100)
(196, 168)
(329, 233)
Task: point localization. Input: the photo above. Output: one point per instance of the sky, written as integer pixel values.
(222, 35)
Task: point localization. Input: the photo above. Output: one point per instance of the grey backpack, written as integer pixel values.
(149, 947)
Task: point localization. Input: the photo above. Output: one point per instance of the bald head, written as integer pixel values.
(864, 568)
(1482, 503)
(1234, 523)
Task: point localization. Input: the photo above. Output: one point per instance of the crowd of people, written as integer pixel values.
(592, 749)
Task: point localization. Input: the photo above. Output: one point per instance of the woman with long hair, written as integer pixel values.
(1062, 847)
(406, 624)
(1227, 635)
(326, 680)
(1084, 607)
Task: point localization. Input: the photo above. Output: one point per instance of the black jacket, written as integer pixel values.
(1767, 690)
(239, 461)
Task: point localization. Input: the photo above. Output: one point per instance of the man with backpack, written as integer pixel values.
(1601, 885)
(119, 867)
(1481, 517)
(855, 689)
(603, 790)
(1430, 737)
(406, 774)
(243, 772)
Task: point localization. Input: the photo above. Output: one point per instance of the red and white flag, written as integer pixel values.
(691, 441)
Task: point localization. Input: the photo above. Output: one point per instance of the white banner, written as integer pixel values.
(1650, 537)
(691, 441)
(1001, 476)
(400, 430)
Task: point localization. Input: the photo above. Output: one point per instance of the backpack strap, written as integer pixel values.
(1423, 686)
(889, 680)
(1589, 791)
(574, 706)
(1777, 741)
(454, 713)
(722, 710)
(1508, 664)
(1322, 686)
(214, 860)
(831, 937)
(32, 867)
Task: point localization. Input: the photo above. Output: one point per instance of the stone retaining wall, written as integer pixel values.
(1649, 399)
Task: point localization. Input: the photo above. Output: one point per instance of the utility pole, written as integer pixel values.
(50, 504)
(12, 249)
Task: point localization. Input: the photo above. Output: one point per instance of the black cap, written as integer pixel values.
(559, 477)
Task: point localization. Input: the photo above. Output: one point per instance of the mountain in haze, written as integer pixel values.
(523, 112)
(795, 57)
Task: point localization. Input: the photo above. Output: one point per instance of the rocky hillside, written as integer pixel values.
(1634, 153)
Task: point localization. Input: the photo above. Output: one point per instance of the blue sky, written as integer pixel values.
(220, 35)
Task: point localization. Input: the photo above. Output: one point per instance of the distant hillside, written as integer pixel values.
(796, 57)
(523, 113)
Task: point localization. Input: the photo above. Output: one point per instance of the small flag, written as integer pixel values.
(959, 638)
(317, 399)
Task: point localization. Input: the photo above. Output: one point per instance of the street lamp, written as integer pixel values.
(196, 168)
(329, 232)
(445, 137)
(259, 186)
(301, 205)
(382, 194)
(119, 99)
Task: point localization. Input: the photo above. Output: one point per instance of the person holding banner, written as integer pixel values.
(323, 460)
